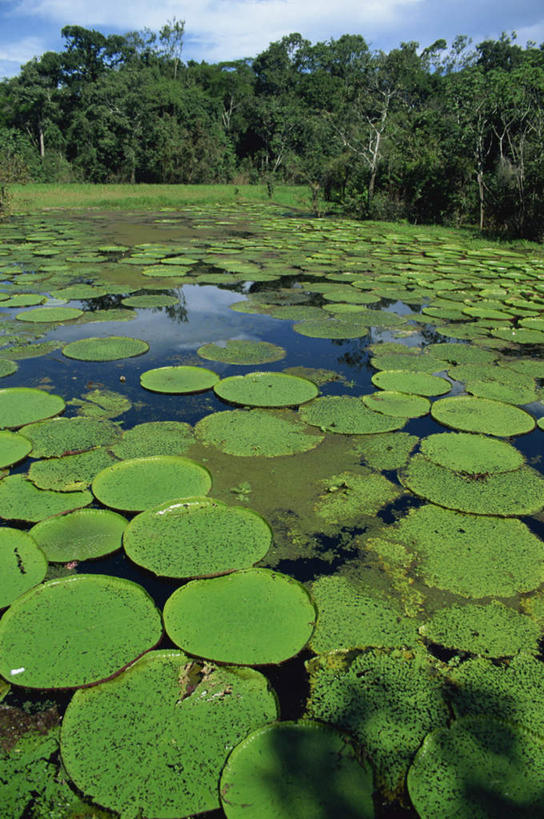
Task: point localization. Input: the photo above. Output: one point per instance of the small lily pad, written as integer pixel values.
(470, 453)
(256, 432)
(50, 314)
(317, 766)
(93, 625)
(7, 367)
(101, 404)
(154, 438)
(397, 404)
(266, 389)
(109, 348)
(13, 448)
(21, 500)
(411, 382)
(347, 415)
(153, 741)
(22, 564)
(471, 414)
(23, 405)
(242, 351)
(178, 379)
(142, 483)
(81, 535)
(70, 472)
(250, 617)
(62, 436)
(196, 537)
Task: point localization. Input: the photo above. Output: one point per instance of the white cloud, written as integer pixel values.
(228, 29)
(535, 33)
(21, 51)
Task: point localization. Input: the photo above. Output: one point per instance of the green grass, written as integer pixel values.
(34, 198)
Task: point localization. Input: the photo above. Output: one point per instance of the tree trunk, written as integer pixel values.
(481, 191)
(42, 141)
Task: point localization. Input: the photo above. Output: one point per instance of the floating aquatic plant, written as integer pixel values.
(22, 564)
(109, 348)
(181, 379)
(80, 535)
(266, 389)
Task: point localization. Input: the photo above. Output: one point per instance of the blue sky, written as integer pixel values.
(230, 29)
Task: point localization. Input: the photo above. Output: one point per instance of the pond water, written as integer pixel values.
(418, 536)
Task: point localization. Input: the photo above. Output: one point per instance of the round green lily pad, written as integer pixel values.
(21, 500)
(13, 448)
(408, 362)
(471, 414)
(493, 630)
(478, 768)
(93, 625)
(23, 405)
(196, 537)
(242, 351)
(519, 492)
(519, 335)
(266, 389)
(250, 617)
(109, 348)
(154, 438)
(152, 742)
(461, 353)
(470, 555)
(178, 379)
(22, 564)
(347, 415)
(80, 535)
(7, 367)
(141, 483)
(45, 314)
(470, 453)
(150, 300)
(256, 432)
(70, 472)
(23, 300)
(331, 328)
(316, 765)
(411, 382)
(60, 436)
(397, 404)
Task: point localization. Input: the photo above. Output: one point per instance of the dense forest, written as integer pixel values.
(453, 135)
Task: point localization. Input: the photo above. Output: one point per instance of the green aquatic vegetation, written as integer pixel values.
(196, 537)
(7, 367)
(66, 436)
(347, 415)
(242, 351)
(413, 383)
(50, 314)
(353, 615)
(22, 564)
(317, 375)
(331, 328)
(23, 300)
(150, 300)
(471, 453)
(302, 312)
(386, 450)
(112, 314)
(142, 483)
(81, 535)
(317, 767)
(21, 500)
(178, 380)
(494, 557)
(93, 624)
(21, 351)
(407, 361)
(23, 405)
(154, 438)
(101, 403)
(471, 414)
(397, 404)
(493, 630)
(250, 617)
(526, 366)
(23, 769)
(109, 348)
(266, 389)
(349, 495)
(519, 335)
(70, 472)
(153, 741)
(388, 701)
(500, 391)
(13, 448)
(461, 353)
(518, 492)
(478, 768)
(248, 433)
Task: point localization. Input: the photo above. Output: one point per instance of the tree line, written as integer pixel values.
(446, 134)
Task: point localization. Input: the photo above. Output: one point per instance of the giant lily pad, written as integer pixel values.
(141, 483)
(61, 436)
(471, 454)
(386, 450)
(397, 404)
(23, 405)
(109, 348)
(178, 379)
(22, 564)
(154, 438)
(80, 535)
(347, 415)
(471, 414)
(411, 382)
(256, 432)
(519, 492)
(70, 472)
(46, 314)
(349, 495)
(93, 625)
(478, 768)
(316, 765)
(13, 448)
(150, 300)
(242, 351)
(249, 617)
(266, 389)
(21, 500)
(192, 537)
(153, 741)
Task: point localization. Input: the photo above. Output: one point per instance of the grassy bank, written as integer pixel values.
(33, 198)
